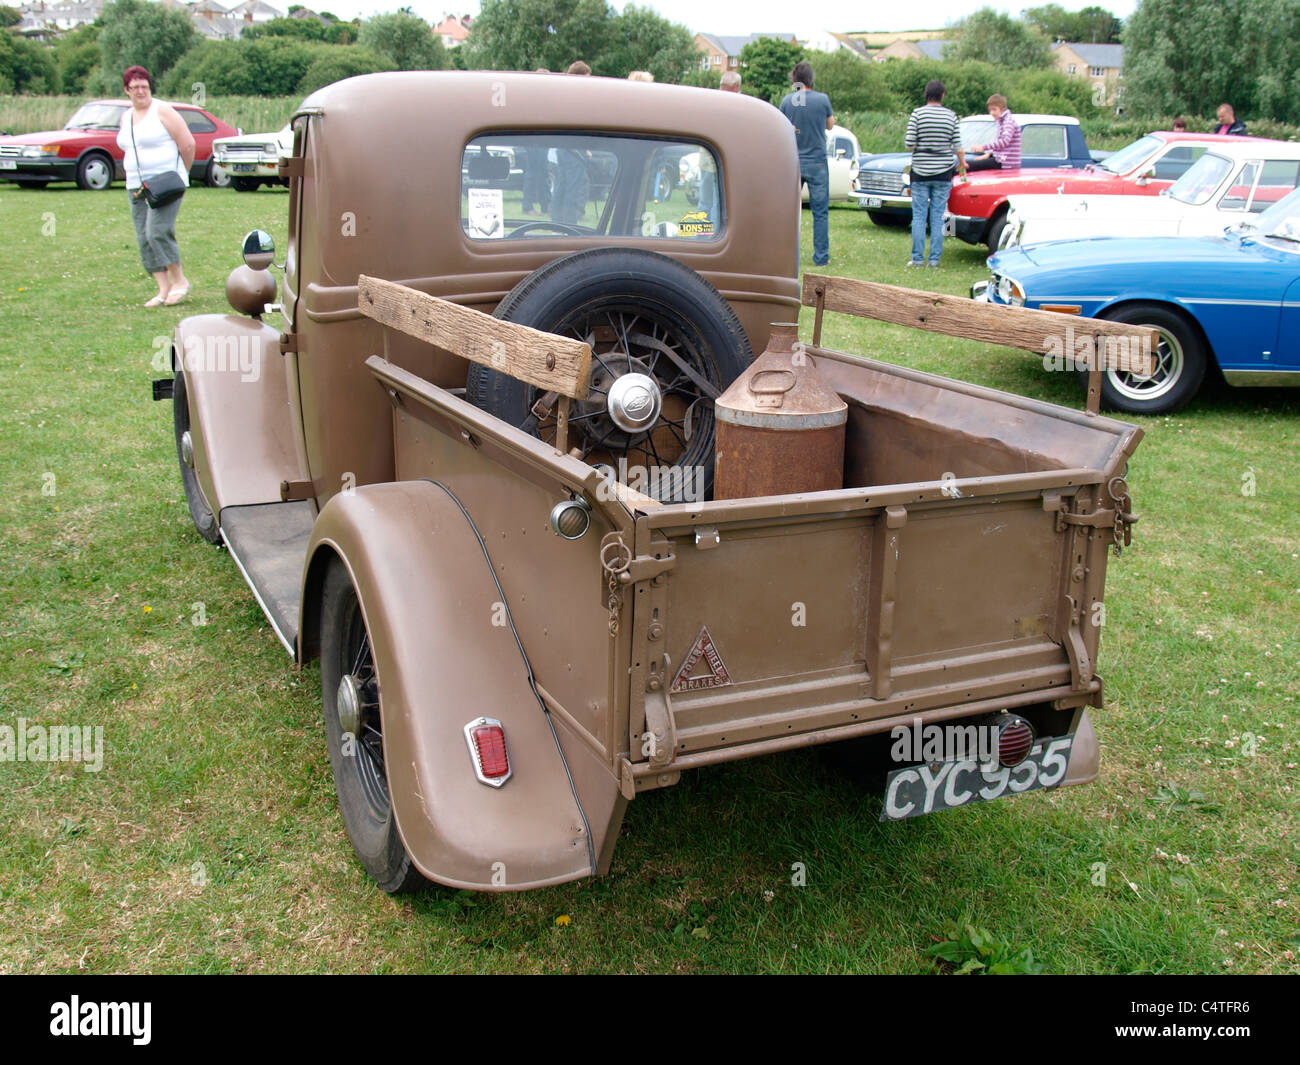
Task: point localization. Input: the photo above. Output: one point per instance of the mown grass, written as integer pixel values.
(211, 842)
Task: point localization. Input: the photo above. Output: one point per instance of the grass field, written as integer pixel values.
(210, 840)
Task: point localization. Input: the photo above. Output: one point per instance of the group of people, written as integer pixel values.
(156, 140)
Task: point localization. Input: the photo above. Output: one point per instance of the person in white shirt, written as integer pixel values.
(155, 139)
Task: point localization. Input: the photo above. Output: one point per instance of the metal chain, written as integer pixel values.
(622, 558)
(1122, 533)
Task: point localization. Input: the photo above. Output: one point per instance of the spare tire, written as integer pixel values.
(642, 313)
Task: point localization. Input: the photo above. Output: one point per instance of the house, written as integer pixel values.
(827, 41)
(453, 31)
(254, 11)
(904, 48)
(1101, 64)
(722, 53)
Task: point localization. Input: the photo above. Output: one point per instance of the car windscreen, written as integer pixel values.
(977, 131)
(1202, 178)
(563, 183)
(97, 116)
(1124, 160)
(1281, 222)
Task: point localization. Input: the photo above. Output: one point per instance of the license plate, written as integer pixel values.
(243, 168)
(872, 202)
(923, 789)
(8, 164)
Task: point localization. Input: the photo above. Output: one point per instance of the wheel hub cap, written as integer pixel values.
(187, 449)
(634, 402)
(349, 705)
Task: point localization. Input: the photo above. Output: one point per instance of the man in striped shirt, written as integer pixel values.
(1003, 151)
(935, 144)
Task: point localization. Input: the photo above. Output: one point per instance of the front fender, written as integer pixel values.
(443, 658)
(241, 422)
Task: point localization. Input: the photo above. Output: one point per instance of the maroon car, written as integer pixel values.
(85, 150)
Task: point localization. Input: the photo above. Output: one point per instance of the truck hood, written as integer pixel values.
(59, 136)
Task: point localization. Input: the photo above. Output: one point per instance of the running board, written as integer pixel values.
(268, 542)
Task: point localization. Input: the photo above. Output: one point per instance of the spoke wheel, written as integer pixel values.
(642, 314)
(354, 730)
(1180, 363)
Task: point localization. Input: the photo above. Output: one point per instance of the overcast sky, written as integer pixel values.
(752, 16)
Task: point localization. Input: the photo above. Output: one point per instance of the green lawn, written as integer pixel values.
(210, 840)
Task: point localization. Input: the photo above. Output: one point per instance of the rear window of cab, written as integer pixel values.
(546, 184)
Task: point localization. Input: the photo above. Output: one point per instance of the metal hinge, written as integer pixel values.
(297, 490)
(291, 167)
(288, 343)
(619, 562)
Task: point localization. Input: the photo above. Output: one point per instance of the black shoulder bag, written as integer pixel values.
(161, 190)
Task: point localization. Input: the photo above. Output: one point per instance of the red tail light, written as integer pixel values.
(487, 748)
(1015, 739)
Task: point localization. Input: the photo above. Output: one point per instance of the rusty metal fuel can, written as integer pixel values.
(780, 429)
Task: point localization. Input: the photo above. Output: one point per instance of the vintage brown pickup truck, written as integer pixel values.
(427, 477)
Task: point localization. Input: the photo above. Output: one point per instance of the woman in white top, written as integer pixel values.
(155, 139)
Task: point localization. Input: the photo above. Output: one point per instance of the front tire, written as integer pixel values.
(1181, 360)
(996, 230)
(245, 184)
(94, 172)
(889, 220)
(354, 732)
(204, 520)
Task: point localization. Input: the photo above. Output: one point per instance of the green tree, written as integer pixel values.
(641, 39)
(852, 83)
(990, 37)
(335, 64)
(10, 16)
(26, 66)
(1190, 57)
(77, 55)
(527, 34)
(139, 32)
(404, 40)
(765, 68)
(1091, 25)
(306, 29)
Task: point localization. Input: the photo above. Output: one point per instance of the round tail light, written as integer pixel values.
(1015, 739)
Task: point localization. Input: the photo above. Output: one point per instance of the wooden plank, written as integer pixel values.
(1113, 345)
(552, 363)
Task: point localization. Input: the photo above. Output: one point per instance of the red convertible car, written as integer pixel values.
(85, 150)
(978, 205)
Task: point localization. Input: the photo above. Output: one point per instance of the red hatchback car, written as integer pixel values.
(978, 206)
(85, 150)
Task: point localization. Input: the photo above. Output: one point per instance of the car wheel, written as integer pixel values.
(31, 184)
(886, 218)
(996, 229)
(94, 172)
(644, 313)
(1180, 364)
(215, 177)
(354, 732)
(245, 184)
(200, 514)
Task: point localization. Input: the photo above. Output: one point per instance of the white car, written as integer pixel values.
(253, 159)
(842, 153)
(1228, 185)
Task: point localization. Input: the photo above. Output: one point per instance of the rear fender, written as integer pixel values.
(241, 421)
(430, 601)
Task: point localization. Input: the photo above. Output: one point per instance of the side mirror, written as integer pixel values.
(258, 249)
(1145, 177)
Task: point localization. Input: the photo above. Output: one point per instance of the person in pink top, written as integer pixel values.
(1003, 152)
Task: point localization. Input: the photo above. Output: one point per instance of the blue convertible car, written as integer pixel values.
(1233, 300)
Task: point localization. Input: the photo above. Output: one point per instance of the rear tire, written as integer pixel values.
(245, 184)
(890, 221)
(360, 777)
(215, 177)
(94, 172)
